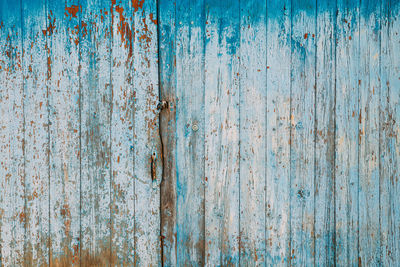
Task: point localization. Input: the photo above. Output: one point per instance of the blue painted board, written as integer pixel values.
(276, 144)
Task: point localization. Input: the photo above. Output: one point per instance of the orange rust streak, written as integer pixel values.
(48, 68)
(124, 30)
(137, 4)
(72, 10)
(152, 19)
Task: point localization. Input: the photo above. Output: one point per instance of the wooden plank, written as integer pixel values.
(63, 24)
(253, 122)
(325, 134)
(222, 43)
(190, 23)
(12, 208)
(278, 132)
(389, 134)
(36, 146)
(95, 86)
(147, 136)
(346, 137)
(302, 152)
(122, 123)
(369, 88)
(167, 67)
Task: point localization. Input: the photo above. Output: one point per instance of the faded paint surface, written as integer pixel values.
(79, 124)
(279, 144)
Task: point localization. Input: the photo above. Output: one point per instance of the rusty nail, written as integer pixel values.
(162, 105)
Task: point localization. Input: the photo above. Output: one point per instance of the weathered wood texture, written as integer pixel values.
(300, 134)
(79, 126)
(278, 145)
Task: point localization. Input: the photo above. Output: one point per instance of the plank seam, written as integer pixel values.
(334, 133)
(239, 93)
(80, 132)
(290, 138)
(265, 131)
(48, 137)
(24, 129)
(358, 136)
(380, 131)
(110, 131)
(315, 119)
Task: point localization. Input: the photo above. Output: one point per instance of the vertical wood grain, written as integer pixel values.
(252, 131)
(167, 69)
(122, 140)
(222, 50)
(325, 134)
(302, 151)
(280, 137)
(389, 134)
(369, 104)
(146, 135)
(347, 138)
(95, 86)
(36, 146)
(190, 23)
(12, 208)
(63, 66)
(278, 132)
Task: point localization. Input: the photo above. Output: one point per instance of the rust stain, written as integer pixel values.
(65, 211)
(48, 68)
(84, 27)
(145, 38)
(50, 29)
(152, 19)
(137, 4)
(72, 11)
(124, 30)
(22, 217)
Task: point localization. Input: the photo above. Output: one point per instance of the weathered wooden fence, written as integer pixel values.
(278, 143)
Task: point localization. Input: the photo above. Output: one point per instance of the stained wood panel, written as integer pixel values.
(36, 133)
(190, 129)
(62, 48)
(222, 133)
(369, 88)
(252, 123)
(12, 196)
(388, 134)
(278, 128)
(167, 71)
(346, 137)
(277, 143)
(95, 95)
(325, 134)
(122, 136)
(302, 134)
(148, 153)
